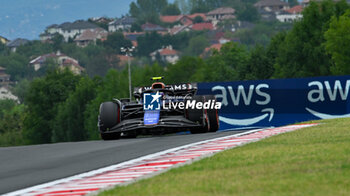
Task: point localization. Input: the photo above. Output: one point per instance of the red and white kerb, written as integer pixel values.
(147, 166)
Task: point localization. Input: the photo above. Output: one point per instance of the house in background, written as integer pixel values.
(220, 14)
(16, 43)
(62, 60)
(4, 78)
(267, 15)
(90, 36)
(4, 40)
(68, 30)
(46, 37)
(193, 16)
(291, 14)
(183, 19)
(271, 5)
(167, 54)
(202, 26)
(101, 20)
(269, 9)
(149, 27)
(296, 9)
(5, 93)
(122, 24)
(179, 28)
(209, 50)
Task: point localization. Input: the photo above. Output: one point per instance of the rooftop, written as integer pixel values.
(17, 42)
(203, 26)
(170, 19)
(197, 14)
(152, 27)
(123, 21)
(212, 47)
(133, 36)
(79, 24)
(92, 34)
(42, 58)
(264, 3)
(168, 51)
(222, 10)
(296, 9)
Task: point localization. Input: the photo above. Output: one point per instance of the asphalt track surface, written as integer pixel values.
(26, 166)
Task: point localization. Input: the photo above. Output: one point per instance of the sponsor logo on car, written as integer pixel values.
(151, 101)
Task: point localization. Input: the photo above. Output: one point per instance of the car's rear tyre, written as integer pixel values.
(199, 116)
(108, 118)
(213, 115)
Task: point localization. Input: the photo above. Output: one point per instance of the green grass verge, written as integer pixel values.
(310, 161)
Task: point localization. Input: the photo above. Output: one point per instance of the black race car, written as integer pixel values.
(159, 109)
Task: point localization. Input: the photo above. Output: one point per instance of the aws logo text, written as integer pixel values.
(243, 94)
(325, 90)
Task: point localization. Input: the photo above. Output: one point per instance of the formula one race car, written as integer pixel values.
(159, 109)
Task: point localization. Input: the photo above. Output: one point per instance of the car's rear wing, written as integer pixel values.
(176, 88)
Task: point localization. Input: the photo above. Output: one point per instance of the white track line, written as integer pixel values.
(130, 171)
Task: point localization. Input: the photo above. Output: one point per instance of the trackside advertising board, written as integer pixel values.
(266, 103)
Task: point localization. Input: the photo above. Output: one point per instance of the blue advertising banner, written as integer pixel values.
(267, 103)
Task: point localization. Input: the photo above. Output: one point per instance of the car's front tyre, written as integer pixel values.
(108, 118)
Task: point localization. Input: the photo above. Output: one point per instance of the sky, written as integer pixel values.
(28, 18)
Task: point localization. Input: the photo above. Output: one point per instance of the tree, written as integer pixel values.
(69, 121)
(113, 85)
(183, 70)
(225, 65)
(34, 49)
(141, 75)
(147, 10)
(135, 27)
(259, 65)
(184, 6)
(198, 19)
(115, 41)
(338, 43)
(3, 49)
(5, 106)
(11, 124)
(148, 43)
(249, 13)
(293, 3)
(171, 10)
(302, 53)
(43, 98)
(199, 6)
(16, 66)
(57, 40)
(97, 66)
(21, 89)
(197, 45)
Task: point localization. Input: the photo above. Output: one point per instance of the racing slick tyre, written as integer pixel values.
(109, 117)
(213, 115)
(199, 116)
